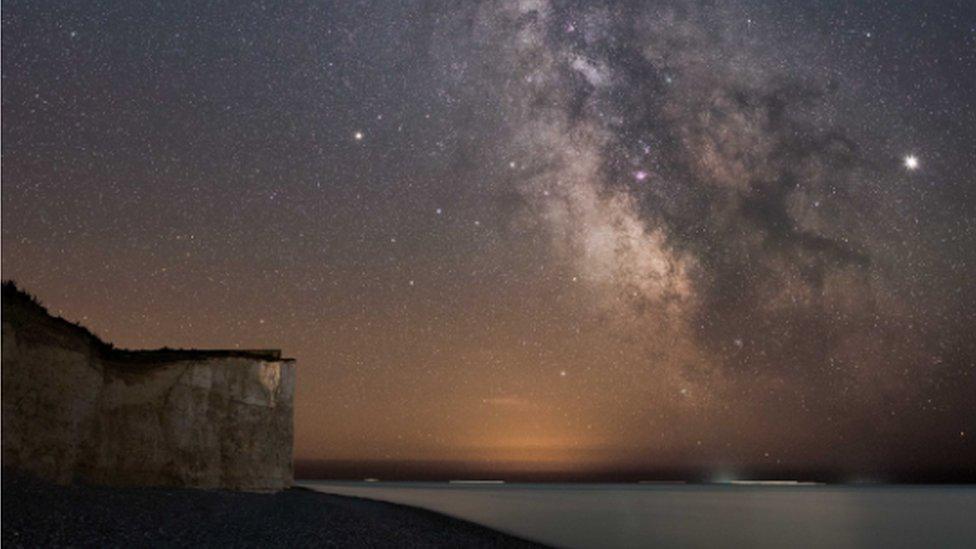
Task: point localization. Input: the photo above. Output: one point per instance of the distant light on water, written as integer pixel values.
(774, 483)
(723, 477)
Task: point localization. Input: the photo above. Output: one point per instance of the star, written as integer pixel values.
(640, 175)
(358, 136)
(911, 162)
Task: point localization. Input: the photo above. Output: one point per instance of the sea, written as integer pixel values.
(696, 515)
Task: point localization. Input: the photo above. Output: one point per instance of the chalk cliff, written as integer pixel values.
(77, 409)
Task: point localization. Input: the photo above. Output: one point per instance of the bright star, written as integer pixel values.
(358, 136)
(911, 162)
(641, 175)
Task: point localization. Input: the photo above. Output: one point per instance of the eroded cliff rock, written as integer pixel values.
(76, 409)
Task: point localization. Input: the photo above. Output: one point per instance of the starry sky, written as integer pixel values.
(525, 235)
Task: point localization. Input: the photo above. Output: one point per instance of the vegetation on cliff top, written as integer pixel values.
(23, 309)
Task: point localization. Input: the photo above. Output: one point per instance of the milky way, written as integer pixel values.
(529, 235)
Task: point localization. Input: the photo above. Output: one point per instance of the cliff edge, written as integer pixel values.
(77, 409)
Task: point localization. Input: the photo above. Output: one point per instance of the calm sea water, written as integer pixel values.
(620, 515)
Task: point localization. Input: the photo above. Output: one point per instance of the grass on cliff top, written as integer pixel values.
(24, 310)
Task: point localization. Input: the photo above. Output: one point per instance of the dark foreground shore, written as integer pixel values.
(36, 513)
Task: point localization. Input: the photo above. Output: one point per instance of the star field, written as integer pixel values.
(529, 235)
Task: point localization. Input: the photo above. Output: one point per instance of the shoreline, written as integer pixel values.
(39, 513)
(759, 515)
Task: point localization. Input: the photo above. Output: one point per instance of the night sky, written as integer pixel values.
(534, 235)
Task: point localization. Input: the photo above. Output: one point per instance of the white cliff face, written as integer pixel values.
(73, 411)
(49, 392)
